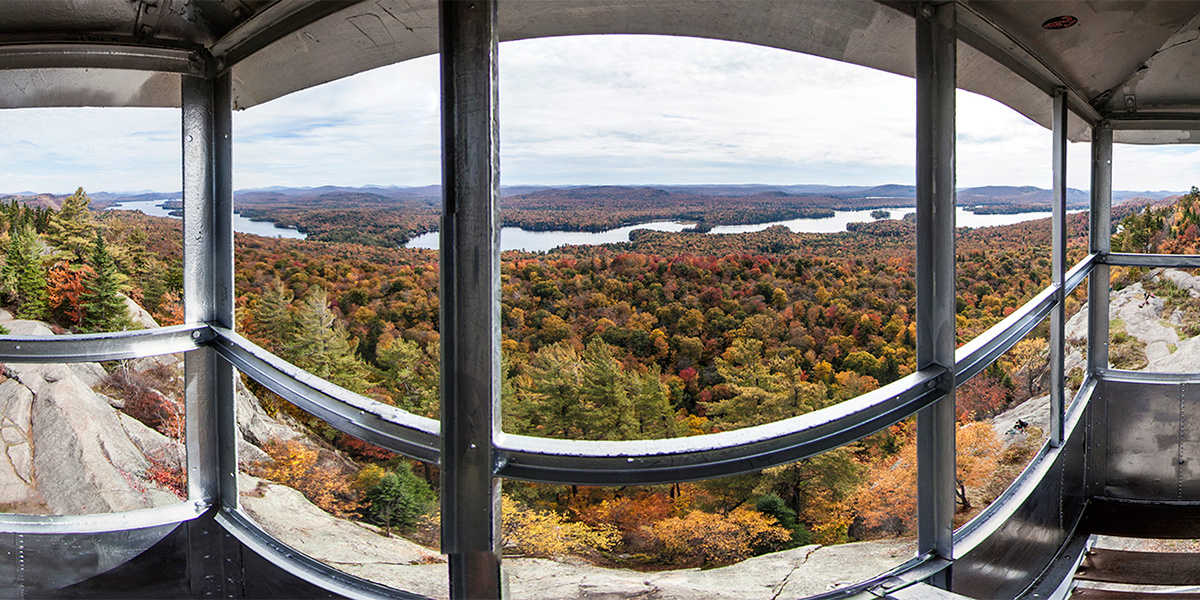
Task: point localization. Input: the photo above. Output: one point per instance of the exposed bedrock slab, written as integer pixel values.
(83, 459)
(16, 438)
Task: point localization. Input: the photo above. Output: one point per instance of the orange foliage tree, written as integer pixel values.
(65, 290)
(888, 503)
(298, 466)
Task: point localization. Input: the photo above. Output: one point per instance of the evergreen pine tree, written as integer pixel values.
(546, 400)
(604, 393)
(103, 307)
(12, 265)
(70, 229)
(322, 346)
(22, 278)
(273, 318)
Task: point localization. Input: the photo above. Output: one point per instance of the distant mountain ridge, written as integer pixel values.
(1021, 196)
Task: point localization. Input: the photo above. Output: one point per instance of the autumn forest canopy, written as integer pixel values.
(669, 334)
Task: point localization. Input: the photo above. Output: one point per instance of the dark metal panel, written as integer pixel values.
(1142, 441)
(1189, 441)
(159, 572)
(1074, 472)
(1035, 532)
(1011, 558)
(1096, 441)
(1121, 518)
(936, 66)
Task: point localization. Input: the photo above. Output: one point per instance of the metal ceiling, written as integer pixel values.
(1130, 62)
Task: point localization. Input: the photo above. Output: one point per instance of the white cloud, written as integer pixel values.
(579, 110)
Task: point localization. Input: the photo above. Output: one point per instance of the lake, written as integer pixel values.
(513, 238)
(241, 224)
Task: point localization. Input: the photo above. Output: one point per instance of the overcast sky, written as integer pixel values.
(579, 110)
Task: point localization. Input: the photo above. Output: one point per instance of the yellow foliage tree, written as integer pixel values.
(547, 533)
(702, 538)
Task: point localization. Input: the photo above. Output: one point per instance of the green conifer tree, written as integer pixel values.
(322, 346)
(604, 393)
(103, 307)
(273, 318)
(12, 265)
(23, 277)
(546, 398)
(71, 228)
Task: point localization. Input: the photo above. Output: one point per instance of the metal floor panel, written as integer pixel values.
(1144, 568)
(1094, 594)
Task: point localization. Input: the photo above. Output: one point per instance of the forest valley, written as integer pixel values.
(670, 334)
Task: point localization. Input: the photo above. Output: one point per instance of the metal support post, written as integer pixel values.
(1058, 245)
(208, 297)
(1100, 236)
(936, 82)
(470, 303)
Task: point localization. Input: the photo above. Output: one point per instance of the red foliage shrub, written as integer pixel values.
(168, 475)
(362, 451)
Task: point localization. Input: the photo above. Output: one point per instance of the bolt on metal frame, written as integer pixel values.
(468, 442)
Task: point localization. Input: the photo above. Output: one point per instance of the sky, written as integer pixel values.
(587, 110)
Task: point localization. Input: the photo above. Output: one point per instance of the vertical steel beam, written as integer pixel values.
(1059, 261)
(1100, 236)
(208, 285)
(936, 82)
(199, 279)
(470, 303)
(208, 297)
(223, 283)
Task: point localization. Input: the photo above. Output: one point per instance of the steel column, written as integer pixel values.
(1059, 261)
(208, 298)
(936, 81)
(223, 283)
(1100, 244)
(470, 303)
(199, 278)
(208, 284)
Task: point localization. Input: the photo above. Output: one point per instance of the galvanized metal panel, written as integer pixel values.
(1142, 441)
(39, 564)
